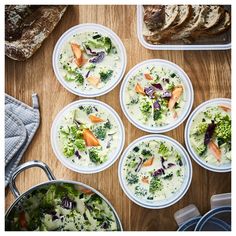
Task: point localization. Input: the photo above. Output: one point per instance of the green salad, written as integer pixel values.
(88, 135)
(154, 170)
(62, 207)
(89, 61)
(155, 96)
(210, 135)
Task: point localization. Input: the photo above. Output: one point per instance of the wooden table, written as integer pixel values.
(209, 72)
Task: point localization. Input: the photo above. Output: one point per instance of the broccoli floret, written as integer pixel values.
(201, 128)
(80, 144)
(88, 110)
(90, 66)
(107, 44)
(105, 75)
(155, 185)
(223, 128)
(68, 151)
(169, 176)
(146, 152)
(68, 68)
(93, 155)
(201, 149)
(163, 150)
(145, 106)
(132, 178)
(100, 132)
(170, 86)
(100, 42)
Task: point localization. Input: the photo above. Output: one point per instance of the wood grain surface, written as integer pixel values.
(209, 71)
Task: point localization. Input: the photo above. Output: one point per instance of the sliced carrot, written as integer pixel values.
(148, 77)
(89, 138)
(225, 108)
(215, 150)
(148, 162)
(77, 53)
(86, 191)
(22, 220)
(177, 92)
(95, 119)
(93, 80)
(145, 180)
(139, 89)
(175, 115)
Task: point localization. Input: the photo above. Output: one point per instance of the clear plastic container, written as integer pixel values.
(220, 42)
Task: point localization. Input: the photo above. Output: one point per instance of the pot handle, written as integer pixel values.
(23, 167)
(186, 213)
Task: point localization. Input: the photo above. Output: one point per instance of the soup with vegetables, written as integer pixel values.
(89, 61)
(154, 170)
(210, 135)
(62, 207)
(155, 96)
(88, 135)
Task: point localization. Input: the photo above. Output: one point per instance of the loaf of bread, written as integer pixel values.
(185, 24)
(26, 27)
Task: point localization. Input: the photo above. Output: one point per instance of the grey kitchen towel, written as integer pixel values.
(21, 123)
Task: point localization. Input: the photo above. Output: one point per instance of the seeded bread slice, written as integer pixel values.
(171, 13)
(196, 21)
(184, 13)
(222, 26)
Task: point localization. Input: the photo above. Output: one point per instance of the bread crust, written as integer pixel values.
(37, 25)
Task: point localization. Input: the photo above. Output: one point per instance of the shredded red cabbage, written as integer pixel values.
(67, 203)
(100, 56)
(209, 132)
(158, 172)
(166, 94)
(157, 86)
(149, 91)
(156, 105)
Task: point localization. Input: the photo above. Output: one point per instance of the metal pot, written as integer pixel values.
(20, 198)
(217, 219)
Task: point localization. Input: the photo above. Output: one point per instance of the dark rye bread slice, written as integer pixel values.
(27, 34)
(184, 13)
(171, 12)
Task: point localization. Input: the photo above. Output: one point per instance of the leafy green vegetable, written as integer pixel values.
(155, 185)
(140, 191)
(169, 176)
(105, 75)
(146, 152)
(107, 125)
(157, 115)
(79, 78)
(136, 149)
(100, 132)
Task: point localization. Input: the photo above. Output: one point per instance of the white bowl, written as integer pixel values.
(84, 169)
(82, 28)
(176, 196)
(189, 95)
(194, 155)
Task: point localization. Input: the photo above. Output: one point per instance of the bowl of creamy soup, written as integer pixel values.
(87, 136)
(156, 96)
(208, 135)
(89, 60)
(155, 171)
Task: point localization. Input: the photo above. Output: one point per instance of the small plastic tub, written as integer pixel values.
(210, 103)
(188, 96)
(112, 156)
(223, 41)
(104, 31)
(175, 197)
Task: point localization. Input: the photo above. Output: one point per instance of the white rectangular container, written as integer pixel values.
(206, 45)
